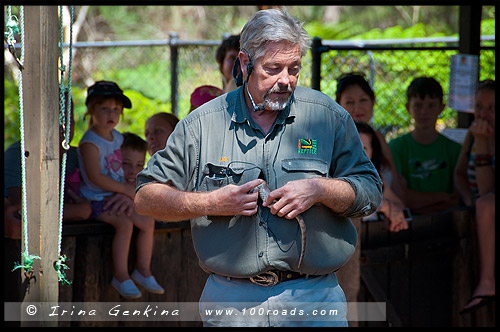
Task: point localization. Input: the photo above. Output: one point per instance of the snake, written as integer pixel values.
(264, 192)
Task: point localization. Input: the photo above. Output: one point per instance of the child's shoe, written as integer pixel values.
(148, 283)
(127, 289)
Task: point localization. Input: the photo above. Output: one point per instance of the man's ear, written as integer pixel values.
(244, 61)
(238, 76)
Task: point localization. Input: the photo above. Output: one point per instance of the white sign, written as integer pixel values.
(464, 75)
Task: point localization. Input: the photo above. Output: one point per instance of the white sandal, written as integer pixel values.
(127, 289)
(148, 283)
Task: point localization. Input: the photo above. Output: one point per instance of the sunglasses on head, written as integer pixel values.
(350, 78)
(351, 75)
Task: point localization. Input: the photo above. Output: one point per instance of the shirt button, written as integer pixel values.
(261, 254)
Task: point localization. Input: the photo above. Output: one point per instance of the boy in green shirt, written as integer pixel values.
(424, 157)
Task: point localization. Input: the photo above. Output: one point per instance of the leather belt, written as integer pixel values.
(272, 277)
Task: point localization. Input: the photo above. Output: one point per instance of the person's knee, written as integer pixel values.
(86, 211)
(121, 223)
(485, 206)
(144, 223)
(486, 201)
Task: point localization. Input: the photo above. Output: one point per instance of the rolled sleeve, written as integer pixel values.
(368, 197)
(354, 167)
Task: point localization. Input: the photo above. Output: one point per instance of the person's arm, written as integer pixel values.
(392, 207)
(485, 174)
(297, 196)
(165, 203)
(78, 209)
(398, 185)
(461, 181)
(90, 156)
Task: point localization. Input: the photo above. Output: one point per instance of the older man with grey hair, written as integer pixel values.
(262, 171)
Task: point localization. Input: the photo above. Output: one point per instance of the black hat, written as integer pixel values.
(107, 88)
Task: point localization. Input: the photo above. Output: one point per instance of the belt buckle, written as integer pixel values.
(266, 279)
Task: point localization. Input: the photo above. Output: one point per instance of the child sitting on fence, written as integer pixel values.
(424, 157)
(102, 175)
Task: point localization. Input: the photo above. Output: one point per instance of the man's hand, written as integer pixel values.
(293, 198)
(233, 200)
(166, 203)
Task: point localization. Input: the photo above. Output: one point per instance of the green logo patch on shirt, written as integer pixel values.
(307, 146)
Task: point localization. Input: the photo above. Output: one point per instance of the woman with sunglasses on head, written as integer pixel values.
(356, 96)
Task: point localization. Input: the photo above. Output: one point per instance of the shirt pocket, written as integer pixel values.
(301, 168)
(305, 165)
(218, 176)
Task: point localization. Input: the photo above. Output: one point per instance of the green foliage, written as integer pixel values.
(442, 19)
(488, 27)
(329, 31)
(140, 79)
(79, 110)
(418, 30)
(11, 112)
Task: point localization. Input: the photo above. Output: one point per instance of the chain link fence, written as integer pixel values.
(159, 76)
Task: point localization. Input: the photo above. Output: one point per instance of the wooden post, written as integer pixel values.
(469, 43)
(41, 118)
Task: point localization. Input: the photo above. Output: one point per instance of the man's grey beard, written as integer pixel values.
(279, 104)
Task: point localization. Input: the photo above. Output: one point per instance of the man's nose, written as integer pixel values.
(284, 78)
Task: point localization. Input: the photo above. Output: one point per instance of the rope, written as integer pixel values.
(65, 122)
(12, 29)
(27, 259)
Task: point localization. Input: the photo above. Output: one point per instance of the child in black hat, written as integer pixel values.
(102, 174)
